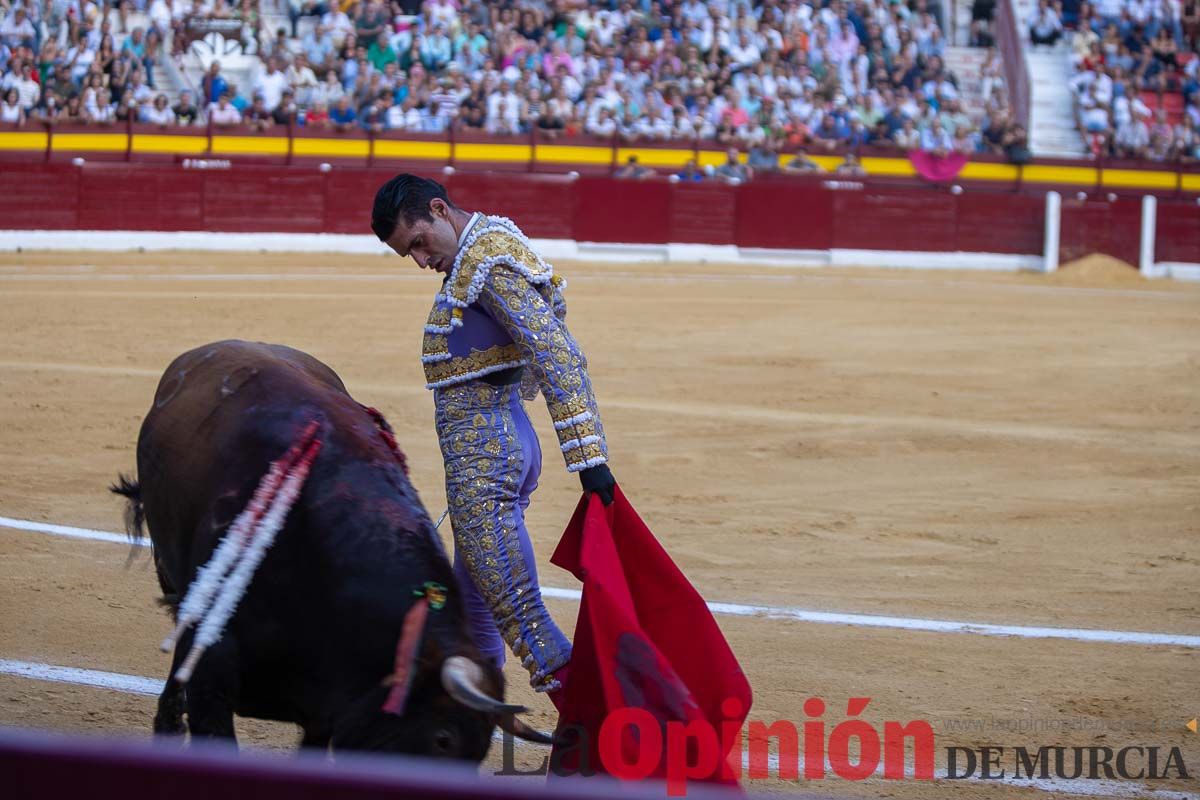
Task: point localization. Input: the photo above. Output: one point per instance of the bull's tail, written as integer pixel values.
(135, 515)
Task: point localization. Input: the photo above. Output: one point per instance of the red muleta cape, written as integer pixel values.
(645, 639)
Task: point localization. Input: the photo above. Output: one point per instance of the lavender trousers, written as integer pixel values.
(493, 461)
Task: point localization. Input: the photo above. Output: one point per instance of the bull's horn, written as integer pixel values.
(462, 679)
(514, 725)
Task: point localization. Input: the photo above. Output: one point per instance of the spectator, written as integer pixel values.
(831, 134)
(28, 90)
(102, 110)
(779, 75)
(339, 25)
(632, 169)
(1016, 145)
(435, 49)
(301, 80)
(159, 113)
(304, 8)
(801, 164)
(328, 92)
(127, 109)
(186, 112)
(936, 140)
(73, 111)
(380, 53)
(50, 112)
(908, 137)
(733, 170)
(317, 116)
(342, 115)
(223, 114)
(279, 48)
(17, 30)
(850, 166)
(691, 172)
(763, 158)
(373, 116)
(286, 112)
(1045, 27)
(409, 116)
(11, 111)
(258, 116)
(213, 83)
(271, 84)
(319, 48)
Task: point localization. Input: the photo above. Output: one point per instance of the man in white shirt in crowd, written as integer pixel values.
(271, 83)
(338, 23)
(507, 96)
(17, 29)
(29, 91)
(302, 80)
(1044, 27)
(319, 48)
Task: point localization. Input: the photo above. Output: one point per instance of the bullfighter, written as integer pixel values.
(495, 337)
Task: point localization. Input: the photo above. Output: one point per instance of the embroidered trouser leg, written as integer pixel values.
(493, 461)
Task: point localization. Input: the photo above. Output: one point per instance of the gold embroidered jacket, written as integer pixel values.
(501, 306)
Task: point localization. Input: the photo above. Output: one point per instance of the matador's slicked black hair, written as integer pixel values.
(405, 196)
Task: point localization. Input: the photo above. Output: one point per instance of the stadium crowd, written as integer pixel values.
(771, 76)
(1137, 74)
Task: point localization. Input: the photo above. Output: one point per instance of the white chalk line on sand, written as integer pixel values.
(1128, 439)
(152, 687)
(607, 276)
(129, 684)
(774, 612)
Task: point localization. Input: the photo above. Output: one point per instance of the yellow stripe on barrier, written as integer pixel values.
(988, 171)
(25, 140)
(1139, 178)
(901, 167)
(360, 148)
(397, 148)
(573, 154)
(108, 142)
(652, 157)
(567, 154)
(493, 152)
(828, 163)
(252, 145)
(154, 143)
(1039, 173)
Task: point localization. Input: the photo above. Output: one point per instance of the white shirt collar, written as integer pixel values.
(462, 237)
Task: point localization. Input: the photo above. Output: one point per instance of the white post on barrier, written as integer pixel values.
(1149, 226)
(1053, 221)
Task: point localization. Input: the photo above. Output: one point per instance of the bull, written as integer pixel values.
(314, 638)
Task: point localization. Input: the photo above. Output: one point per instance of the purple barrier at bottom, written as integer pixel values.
(49, 767)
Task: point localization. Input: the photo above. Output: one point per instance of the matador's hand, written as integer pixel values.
(599, 479)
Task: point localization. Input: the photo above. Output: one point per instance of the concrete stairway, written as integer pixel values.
(965, 62)
(1052, 113)
(1052, 130)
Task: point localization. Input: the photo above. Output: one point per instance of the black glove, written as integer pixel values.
(599, 479)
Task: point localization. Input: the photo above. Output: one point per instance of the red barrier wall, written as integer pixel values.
(1097, 226)
(802, 213)
(1178, 235)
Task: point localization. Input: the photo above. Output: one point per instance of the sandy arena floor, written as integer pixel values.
(1006, 449)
